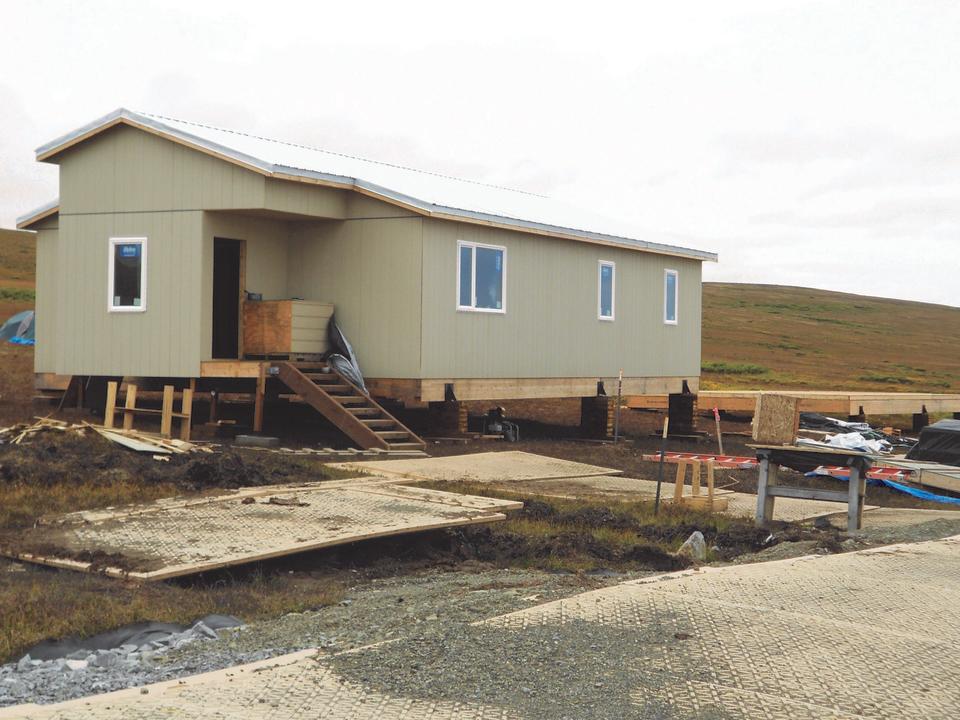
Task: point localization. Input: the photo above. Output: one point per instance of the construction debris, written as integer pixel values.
(16, 434)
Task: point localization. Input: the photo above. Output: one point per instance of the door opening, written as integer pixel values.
(226, 298)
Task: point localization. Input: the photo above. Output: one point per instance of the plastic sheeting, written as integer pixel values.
(20, 329)
(939, 442)
(343, 358)
(918, 493)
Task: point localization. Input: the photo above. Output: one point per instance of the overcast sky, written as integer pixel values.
(809, 143)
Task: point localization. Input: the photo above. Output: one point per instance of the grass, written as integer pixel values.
(581, 534)
(17, 295)
(725, 368)
(18, 253)
(38, 604)
(821, 340)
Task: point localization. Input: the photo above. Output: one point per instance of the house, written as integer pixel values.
(170, 236)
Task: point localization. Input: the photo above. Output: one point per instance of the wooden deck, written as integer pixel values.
(827, 402)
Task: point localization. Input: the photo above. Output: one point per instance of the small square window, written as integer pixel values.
(671, 284)
(481, 277)
(606, 289)
(127, 275)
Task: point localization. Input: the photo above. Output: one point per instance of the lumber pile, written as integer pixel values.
(16, 434)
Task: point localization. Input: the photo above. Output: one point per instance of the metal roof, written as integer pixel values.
(428, 193)
(37, 214)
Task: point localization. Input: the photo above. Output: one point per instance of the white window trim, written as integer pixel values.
(613, 290)
(676, 300)
(473, 278)
(142, 307)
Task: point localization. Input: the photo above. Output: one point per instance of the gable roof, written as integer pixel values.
(427, 193)
(46, 210)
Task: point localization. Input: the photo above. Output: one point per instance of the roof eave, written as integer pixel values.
(37, 214)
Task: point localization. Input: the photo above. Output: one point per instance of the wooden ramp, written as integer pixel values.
(348, 407)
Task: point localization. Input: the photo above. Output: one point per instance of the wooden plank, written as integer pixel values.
(186, 414)
(110, 408)
(166, 417)
(776, 419)
(129, 407)
(678, 484)
(803, 493)
(230, 369)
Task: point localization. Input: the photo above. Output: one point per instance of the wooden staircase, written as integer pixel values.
(348, 407)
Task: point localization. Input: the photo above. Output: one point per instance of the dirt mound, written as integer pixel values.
(56, 457)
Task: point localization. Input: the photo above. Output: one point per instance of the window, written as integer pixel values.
(481, 277)
(670, 284)
(127, 275)
(606, 287)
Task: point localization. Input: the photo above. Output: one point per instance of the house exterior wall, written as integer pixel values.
(370, 269)
(47, 301)
(550, 328)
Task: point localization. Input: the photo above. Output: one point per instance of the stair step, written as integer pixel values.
(379, 422)
(339, 388)
(350, 399)
(364, 411)
(392, 434)
(324, 378)
(407, 446)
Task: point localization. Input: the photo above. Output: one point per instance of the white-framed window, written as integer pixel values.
(127, 275)
(671, 296)
(481, 277)
(606, 289)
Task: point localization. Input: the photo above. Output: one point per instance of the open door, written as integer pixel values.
(227, 264)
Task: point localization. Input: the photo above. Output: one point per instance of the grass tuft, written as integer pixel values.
(725, 368)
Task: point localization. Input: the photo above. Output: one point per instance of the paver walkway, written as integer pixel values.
(871, 634)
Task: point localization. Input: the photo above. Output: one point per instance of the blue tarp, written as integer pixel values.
(20, 329)
(915, 492)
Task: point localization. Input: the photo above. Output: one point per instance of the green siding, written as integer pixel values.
(550, 328)
(370, 270)
(164, 339)
(47, 302)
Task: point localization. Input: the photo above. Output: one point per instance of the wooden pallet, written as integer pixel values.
(166, 413)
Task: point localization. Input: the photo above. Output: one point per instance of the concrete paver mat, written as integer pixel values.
(180, 537)
(870, 634)
(480, 467)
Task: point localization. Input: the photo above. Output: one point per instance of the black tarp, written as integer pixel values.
(342, 356)
(939, 442)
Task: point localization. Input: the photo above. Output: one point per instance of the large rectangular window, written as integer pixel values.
(670, 294)
(127, 275)
(481, 277)
(606, 289)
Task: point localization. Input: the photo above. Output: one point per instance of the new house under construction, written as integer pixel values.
(183, 253)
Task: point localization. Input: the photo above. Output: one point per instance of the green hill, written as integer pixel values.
(757, 336)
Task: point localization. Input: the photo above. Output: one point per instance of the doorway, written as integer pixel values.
(227, 265)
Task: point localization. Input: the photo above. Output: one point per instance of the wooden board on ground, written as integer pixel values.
(776, 419)
(480, 467)
(180, 537)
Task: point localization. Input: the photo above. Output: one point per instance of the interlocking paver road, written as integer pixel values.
(871, 634)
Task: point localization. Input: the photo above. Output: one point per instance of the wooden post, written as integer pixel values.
(213, 406)
(258, 399)
(111, 406)
(854, 503)
(716, 417)
(166, 413)
(129, 406)
(695, 478)
(768, 475)
(187, 411)
(678, 488)
(709, 464)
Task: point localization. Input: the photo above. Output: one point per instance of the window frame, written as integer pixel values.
(613, 290)
(502, 310)
(676, 297)
(111, 257)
